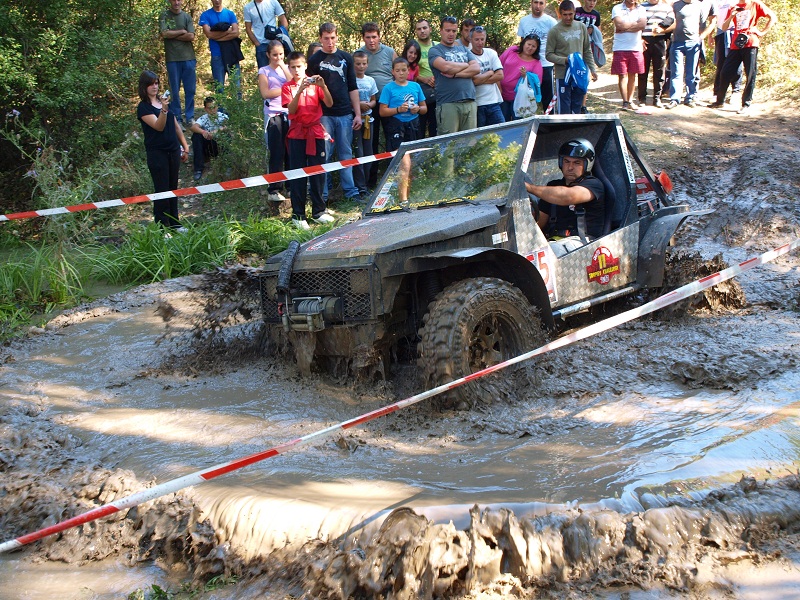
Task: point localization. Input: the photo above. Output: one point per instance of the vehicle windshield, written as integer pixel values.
(470, 167)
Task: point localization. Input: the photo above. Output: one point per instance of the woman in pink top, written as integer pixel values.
(271, 78)
(517, 61)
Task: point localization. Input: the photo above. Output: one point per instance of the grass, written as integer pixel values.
(187, 591)
(54, 273)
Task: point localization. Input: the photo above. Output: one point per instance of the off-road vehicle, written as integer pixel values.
(447, 260)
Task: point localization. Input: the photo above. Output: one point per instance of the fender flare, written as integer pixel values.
(497, 262)
(653, 246)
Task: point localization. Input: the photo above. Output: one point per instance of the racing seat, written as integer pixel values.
(611, 198)
(610, 202)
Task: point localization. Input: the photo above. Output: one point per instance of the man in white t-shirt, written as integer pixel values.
(487, 92)
(630, 20)
(259, 14)
(540, 23)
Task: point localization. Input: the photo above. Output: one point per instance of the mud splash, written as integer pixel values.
(412, 557)
(167, 530)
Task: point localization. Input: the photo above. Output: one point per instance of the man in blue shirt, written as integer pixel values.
(220, 25)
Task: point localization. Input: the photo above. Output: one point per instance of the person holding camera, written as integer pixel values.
(745, 41)
(304, 98)
(165, 146)
(261, 21)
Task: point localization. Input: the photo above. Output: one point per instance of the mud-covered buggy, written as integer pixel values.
(448, 261)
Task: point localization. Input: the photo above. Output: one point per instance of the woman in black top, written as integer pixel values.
(165, 145)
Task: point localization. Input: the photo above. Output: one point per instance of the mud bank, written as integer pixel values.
(411, 557)
(45, 480)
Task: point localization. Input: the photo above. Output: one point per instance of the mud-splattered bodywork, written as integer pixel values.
(455, 207)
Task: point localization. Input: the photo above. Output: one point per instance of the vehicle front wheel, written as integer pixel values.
(473, 324)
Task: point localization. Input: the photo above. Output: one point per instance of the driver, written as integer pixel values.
(559, 199)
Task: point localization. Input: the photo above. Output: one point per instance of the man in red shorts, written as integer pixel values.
(629, 22)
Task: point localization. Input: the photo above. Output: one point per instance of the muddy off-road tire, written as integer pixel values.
(473, 324)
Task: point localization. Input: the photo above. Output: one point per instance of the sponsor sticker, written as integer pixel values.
(499, 238)
(604, 266)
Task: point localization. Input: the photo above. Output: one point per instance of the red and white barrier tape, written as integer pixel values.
(551, 107)
(199, 477)
(222, 186)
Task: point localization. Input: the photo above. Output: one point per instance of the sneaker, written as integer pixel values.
(716, 105)
(584, 111)
(181, 230)
(276, 197)
(626, 106)
(672, 104)
(301, 224)
(658, 103)
(690, 103)
(324, 218)
(198, 175)
(744, 110)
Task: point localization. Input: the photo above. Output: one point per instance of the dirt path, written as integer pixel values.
(608, 474)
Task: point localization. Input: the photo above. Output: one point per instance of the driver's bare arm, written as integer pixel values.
(561, 195)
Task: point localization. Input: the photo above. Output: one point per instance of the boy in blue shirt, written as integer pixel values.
(401, 103)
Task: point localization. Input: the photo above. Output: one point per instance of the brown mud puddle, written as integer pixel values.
(619, 457)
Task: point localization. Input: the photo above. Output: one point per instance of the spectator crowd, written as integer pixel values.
(329, 104)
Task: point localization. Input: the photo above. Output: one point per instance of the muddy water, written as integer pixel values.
(640, 427)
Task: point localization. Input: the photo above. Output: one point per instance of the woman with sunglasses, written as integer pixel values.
(518, 61)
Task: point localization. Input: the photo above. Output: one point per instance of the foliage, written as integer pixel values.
(148, 255)
(186, 590)
(58, 182)
(35, 280)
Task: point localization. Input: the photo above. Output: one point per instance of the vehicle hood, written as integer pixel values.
(385, 233)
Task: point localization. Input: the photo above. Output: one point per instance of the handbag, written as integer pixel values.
(525, 99)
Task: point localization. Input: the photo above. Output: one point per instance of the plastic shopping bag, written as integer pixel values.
(527, 96)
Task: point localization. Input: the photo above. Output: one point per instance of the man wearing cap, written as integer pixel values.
(453, 68)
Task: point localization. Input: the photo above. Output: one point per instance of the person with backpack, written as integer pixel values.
(567, 38)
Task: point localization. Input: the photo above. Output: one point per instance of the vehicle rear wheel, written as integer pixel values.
(471, 325)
